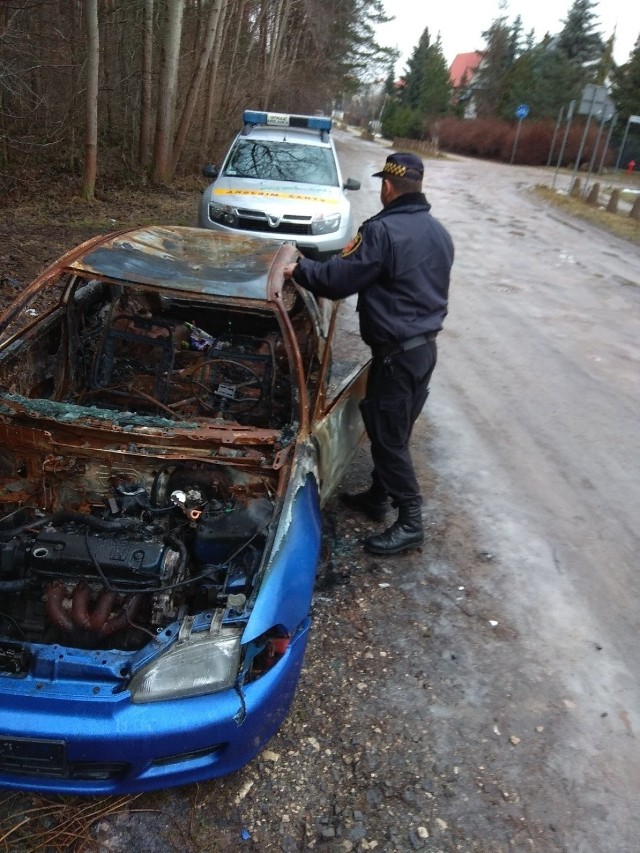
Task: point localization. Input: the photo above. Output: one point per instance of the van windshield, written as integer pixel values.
(282, 161)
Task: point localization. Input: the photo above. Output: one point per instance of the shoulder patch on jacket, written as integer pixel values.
(351, 246)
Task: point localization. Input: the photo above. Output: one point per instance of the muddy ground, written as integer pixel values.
(409, 730)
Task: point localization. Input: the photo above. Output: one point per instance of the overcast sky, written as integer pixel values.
(461, 24)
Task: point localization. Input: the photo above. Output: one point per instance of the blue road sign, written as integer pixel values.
(522, 111)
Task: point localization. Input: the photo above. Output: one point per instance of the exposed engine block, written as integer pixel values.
(115, 576)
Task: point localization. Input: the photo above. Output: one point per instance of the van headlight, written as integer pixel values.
(201, 664)
(325, 224)
(224, 214)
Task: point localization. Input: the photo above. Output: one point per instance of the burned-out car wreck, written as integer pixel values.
(172, 417)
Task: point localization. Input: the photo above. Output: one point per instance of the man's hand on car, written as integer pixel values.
(289, 269)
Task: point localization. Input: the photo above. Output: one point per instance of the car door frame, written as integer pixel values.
(336, 426)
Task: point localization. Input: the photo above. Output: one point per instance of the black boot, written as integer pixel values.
(406, 532)
(373, 503)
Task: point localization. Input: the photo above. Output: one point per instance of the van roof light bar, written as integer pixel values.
(251, 118)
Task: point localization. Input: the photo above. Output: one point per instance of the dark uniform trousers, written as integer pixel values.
(397, 389)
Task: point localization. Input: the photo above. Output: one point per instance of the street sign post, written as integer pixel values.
(521, 112)
(593, 99)
(570, 111)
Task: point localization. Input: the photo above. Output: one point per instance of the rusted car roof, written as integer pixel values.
(190, 259)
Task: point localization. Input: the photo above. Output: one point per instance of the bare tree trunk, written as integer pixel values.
(278, 32)
(261, 58)
(239, 63)
(4, 148)
(144, 140)
(105, 24)
(167, 91)
(194, 89)
(91, 101)
(74, 107)
(205, 135)
(240, 17)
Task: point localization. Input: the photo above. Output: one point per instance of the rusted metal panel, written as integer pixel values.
(338, 433)
(237, 446)
(185, 259)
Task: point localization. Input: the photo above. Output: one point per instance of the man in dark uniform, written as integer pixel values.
(399, 265)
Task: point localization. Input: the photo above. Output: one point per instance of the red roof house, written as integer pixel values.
(463, 70)
(463, 67)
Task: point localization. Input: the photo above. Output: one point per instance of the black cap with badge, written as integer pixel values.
(403, 164)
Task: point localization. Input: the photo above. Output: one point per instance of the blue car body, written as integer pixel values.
(168, 433)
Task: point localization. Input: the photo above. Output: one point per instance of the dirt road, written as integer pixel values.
(479, 694)
(534, 436)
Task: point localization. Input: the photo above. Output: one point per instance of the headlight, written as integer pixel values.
(224, 214)
(201, 664)
(325, 224)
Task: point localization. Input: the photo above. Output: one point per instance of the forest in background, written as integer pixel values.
(151, 87)
(143, 91)
(514, 69)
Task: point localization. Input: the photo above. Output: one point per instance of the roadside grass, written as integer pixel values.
(621, 223)
(117, 208)
(41, 226)
(629, 195)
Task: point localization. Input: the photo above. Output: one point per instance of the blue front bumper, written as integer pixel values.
(106, 744)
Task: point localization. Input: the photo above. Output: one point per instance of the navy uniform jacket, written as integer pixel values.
(398, 264)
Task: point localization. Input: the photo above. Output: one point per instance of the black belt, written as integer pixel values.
(395, 347)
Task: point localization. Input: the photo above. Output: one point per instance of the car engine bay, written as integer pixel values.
(105, 540)
(145, 554)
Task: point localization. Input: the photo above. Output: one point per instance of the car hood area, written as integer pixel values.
(278, 197)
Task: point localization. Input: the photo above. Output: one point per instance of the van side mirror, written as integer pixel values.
(351, 184)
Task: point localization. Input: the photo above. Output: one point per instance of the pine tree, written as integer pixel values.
(437, 89)
(626, 85)
(515, 40)
(544, 78)
(490, 80)
(579, 38)
(353, 39)
(606, 64)
(427, 86)
(414, 76)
